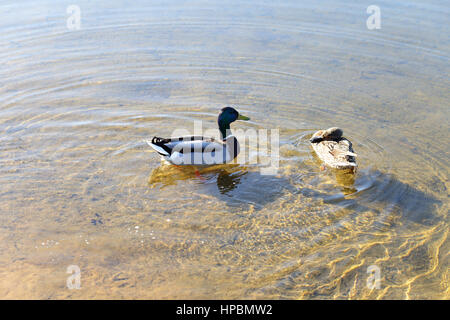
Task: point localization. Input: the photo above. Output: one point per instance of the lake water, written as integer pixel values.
(79, 185)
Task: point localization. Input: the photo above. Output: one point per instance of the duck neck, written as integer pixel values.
(224, 128)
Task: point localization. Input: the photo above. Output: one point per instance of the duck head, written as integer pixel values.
(226, 117)
(333, 133)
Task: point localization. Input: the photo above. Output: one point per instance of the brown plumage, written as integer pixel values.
(333, 149)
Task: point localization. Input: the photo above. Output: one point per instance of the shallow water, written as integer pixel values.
(81, 187)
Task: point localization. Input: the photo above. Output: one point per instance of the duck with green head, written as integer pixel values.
(199, 150)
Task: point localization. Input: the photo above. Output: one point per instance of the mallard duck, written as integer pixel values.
(198, 150)
(333, 149)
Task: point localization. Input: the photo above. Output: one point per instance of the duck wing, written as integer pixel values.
(190, 150)
(166, 146)
(336, 153)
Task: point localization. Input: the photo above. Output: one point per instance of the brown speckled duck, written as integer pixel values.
(333, 149)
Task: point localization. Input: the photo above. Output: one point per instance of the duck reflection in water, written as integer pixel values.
(344, 178)
(235, 184)
(227, 178)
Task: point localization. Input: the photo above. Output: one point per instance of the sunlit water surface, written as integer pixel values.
(79, 186)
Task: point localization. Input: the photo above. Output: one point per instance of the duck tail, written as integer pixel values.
(160, 141)
(159, 145)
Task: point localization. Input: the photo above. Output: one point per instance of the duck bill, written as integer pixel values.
(241, 117)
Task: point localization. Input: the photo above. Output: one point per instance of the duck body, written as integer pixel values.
(199, 150)
(333, 149)
(196, 150)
